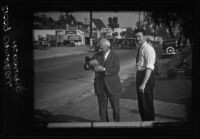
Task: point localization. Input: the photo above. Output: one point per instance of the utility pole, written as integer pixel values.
(66, 21)
(91, 44)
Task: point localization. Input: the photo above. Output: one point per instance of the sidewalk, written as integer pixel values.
(172, 101)
(59, 51)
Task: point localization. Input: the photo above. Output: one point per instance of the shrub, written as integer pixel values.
(158, 50)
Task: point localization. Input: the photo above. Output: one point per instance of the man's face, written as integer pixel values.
(140, 38)
(104, 48)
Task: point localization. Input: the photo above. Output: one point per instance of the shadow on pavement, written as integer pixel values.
(177, 90)
(43, 117)
(167, 92)
(129, 89)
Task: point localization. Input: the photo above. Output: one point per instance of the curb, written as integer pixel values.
(141, 124)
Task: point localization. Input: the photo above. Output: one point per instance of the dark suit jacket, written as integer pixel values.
(110, 76)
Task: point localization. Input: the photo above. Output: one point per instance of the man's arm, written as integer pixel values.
(150, 60)
(90, 62)
(112, 69)
(146, 78)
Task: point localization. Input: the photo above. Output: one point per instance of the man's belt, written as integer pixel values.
(141, 68)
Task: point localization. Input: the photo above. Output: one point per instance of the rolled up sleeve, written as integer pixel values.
(150, 57)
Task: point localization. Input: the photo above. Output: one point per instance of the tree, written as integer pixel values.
(187, 25)
(182, 21)
(52, 23)
(154, 29)
(71, 20)
(62, 21)
(37, 23)
(169, 20)
(147, 25)
(113, 22)
(43, 22)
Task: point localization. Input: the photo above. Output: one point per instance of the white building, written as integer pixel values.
(61, 35)
(76, 35)
(119, 31)
(43, 33)
(108, 31)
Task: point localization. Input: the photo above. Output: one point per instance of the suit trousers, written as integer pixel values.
(145, 100)
(103, 97)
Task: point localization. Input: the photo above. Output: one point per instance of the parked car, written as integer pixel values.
(125, 43)
(170, 46)
(43, 43)
(69, 43)
(128, 43)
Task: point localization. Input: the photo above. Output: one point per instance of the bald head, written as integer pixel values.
(104, 42)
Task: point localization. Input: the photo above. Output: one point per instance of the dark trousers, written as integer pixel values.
(103, 97)
(145, 100)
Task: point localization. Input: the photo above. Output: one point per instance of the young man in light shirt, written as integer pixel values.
(145, 81)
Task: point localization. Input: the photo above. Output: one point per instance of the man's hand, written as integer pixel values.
(94, 62)
(99, 68)
(141, 88)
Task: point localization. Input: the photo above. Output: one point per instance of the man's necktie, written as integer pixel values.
(103, 59)
(137, 57)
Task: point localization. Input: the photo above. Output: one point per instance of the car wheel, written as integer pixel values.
(170, 50)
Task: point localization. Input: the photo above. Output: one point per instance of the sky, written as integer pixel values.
(125, 19)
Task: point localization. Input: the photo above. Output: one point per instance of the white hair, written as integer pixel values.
(105, 42)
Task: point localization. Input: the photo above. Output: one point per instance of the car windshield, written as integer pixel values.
(170, 41)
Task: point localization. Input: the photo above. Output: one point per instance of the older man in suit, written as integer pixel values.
(105, 64)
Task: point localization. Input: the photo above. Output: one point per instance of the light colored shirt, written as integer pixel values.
(147, 56)
(106, 54)
(105, 57)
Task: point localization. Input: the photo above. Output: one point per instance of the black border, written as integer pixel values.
(18, 107)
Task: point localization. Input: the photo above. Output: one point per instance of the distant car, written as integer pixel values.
(128, 43)
(69, 43)
(125, 43)
(170, 46)
(43, 43)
